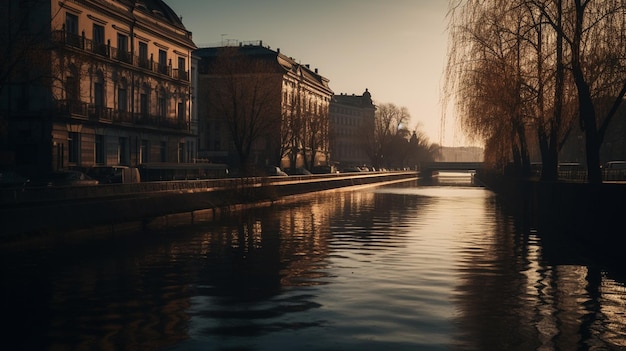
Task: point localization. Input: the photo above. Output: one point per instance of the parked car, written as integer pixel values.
(298, 171)
(274, 171)
(64, 178)
(615, 170)
(323, 169)
(113, 174)
(350, 169)
(9, 179)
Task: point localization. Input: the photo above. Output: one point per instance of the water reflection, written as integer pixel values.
(419, 267)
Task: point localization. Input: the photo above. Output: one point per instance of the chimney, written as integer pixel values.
(316, 70)
(278, 50)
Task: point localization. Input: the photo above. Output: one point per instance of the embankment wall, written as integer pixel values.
(42, 210)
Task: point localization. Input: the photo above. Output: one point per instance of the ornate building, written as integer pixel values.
(103, 82)
(351, 125)
(252, 97)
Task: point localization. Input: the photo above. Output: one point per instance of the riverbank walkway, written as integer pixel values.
(31, 210)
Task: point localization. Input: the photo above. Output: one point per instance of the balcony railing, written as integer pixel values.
(71, 109)
(106, 50)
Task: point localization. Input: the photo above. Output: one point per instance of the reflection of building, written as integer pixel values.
(112, 85)
(351, 125)
(286, 102)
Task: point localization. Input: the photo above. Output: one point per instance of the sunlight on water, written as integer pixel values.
(437, 267)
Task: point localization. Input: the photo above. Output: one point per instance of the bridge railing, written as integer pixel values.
(450, 166)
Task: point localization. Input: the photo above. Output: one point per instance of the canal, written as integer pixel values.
(413, 267)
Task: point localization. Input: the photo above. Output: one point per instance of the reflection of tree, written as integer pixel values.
(521, 290)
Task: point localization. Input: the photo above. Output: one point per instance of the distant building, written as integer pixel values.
(250, 91)
(351, 126)
(104, 82)
(461, 154)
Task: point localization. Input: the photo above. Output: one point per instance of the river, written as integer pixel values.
(413, 267)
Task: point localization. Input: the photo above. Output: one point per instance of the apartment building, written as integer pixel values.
(251, 96)
(351, 125)
(102, 82)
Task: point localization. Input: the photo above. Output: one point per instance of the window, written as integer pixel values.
(98, 40)
(71, 30)
(143, 55)
(71, 23)
(181, 112)
(163, 61)
(181, 152)
(163, 151)
(182, 74)
(122, 99)
(143, 104)
(73, 147)
(122, 48)
(122, 151)
(162, 106)
(98, 94)
(100, 159)
(71, 89)
(144, 152)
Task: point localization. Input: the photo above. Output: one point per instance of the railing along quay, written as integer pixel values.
(32, 195)
(31, 210)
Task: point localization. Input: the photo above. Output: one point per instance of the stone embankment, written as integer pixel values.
(31, 211)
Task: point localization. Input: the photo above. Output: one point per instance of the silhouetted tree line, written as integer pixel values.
(393, 145)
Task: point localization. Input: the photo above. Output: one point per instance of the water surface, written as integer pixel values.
(438, 267)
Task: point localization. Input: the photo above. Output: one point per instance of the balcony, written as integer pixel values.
(100, 113)
(72, 109)
(160, 122)
(180, 74)
(107, 51)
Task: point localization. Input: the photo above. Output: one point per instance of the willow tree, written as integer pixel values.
(595, 33)
(486, 75)
(519, 65)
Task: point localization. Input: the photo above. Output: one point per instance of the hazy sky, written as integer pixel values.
(394, 48)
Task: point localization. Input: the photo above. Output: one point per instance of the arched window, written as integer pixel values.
(122, 95)
(144, 100)
(71, 85)
(162, 103)
(98, 90)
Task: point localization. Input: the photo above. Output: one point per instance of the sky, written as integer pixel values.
(394, 48)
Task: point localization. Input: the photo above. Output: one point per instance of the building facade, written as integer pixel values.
(108, 82)
(351, 125)
(252, 96)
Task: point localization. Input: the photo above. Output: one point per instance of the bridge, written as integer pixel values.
(427, 168)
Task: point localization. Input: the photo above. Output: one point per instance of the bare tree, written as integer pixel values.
(24, 54)
(245, 91)
(315, 138)
(306, 123)
(388, 122)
